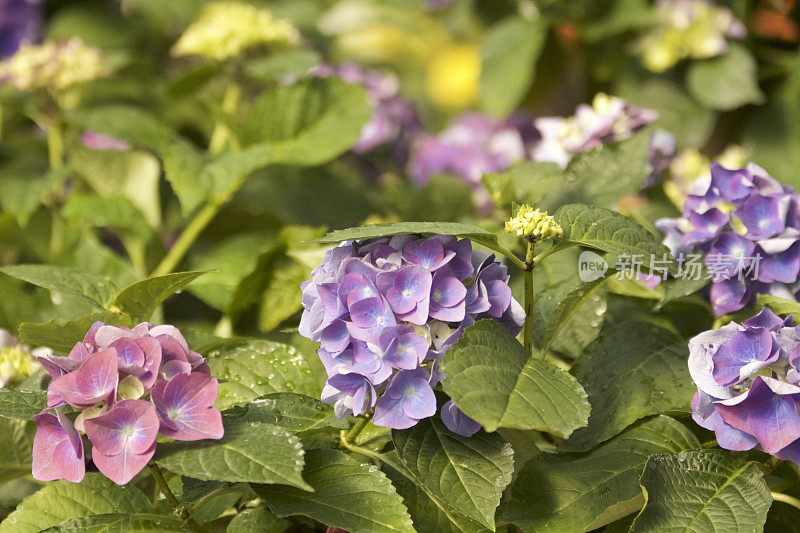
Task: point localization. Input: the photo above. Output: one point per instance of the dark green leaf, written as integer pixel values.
(95, 290)
(491, 378)
(467, 474)
(21, 404)
(571, 492)
(473, 233)
(606, 230)
(257, 521)
(61, 500)
(700, 491)
(780, 306)
(355, 497)
(141, 299)
(16, 441)
(568, 307)
(294, 412)
(61, 335)
(632, 370)
(253, 452)
(254, 367)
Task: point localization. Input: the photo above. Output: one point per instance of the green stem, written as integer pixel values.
(497, 247)
(219, 491)
(222, 133)
(55, 144)
(354, 431)
(528, 278)
(195, 228)
(780, 497)
(165, 490)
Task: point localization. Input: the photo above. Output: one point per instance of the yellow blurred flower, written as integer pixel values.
(16, 361)
(453, 76)
(534, 225)
(52, 65)
(225, 29)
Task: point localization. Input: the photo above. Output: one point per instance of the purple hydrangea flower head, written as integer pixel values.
(385, 310)
(132, 384)
(745, 223)
(123, 439)
(747, 380)
(458, 422)
(408, 399)
(185, 407)
(20, 23)
(394, 119)
(57, 449)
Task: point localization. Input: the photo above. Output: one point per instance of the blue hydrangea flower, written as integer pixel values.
(747, 379)
(385, 310)
(458, 422)
(747, 224)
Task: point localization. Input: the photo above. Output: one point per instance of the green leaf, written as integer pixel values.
(427, 511)
(141, 299)
(632, 370)
(257, 521)
(606, 230)
(355, 497)
(61, 500)
(468, 474)
(254, 367)
(294, 412)
(567, 308)
(508, 57)
(92, 289)
(491, 378)
(281, 297)
(16, 441)
(727, 81)
(183, 164)
(473, 233)
(700, 491)
(780, 306)
(102, 523)
(112, 212)
(252, 452)
(125, 122)
(527, 182)
(571, 492)
(21, 404)
(61, 335)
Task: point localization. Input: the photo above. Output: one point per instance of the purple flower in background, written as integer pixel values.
(408, 399)
(57, 449)
(746, 225)
(747, 377)
(132, 384)
(100, 141)
(471, 146)
(385, 310)
(458, 422)
(20, 24)
(394, 119)
(123, 439)
(608, 119)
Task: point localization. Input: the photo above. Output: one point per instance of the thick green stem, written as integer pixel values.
(222, 133)
(354, 431)
(195, 228)
(780, 497)
(165, 490)
(55, 144)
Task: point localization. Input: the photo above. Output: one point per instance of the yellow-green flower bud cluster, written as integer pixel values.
(534, 225)
(53, 65)
(225, 29)
(16, 361)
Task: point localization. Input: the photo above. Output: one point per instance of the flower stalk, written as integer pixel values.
(158, 476)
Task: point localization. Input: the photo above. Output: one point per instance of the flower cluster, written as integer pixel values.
(17, 361)
(225, 29)
(20, 23)
(608, 119)
(385, 310)
(52, 65)
(473, 145)
(109, 376)
(394, 119)
(747, 377)
(734, 216)
(534, 225)
(687, 28)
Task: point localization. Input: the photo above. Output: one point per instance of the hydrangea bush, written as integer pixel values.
(424, 266)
